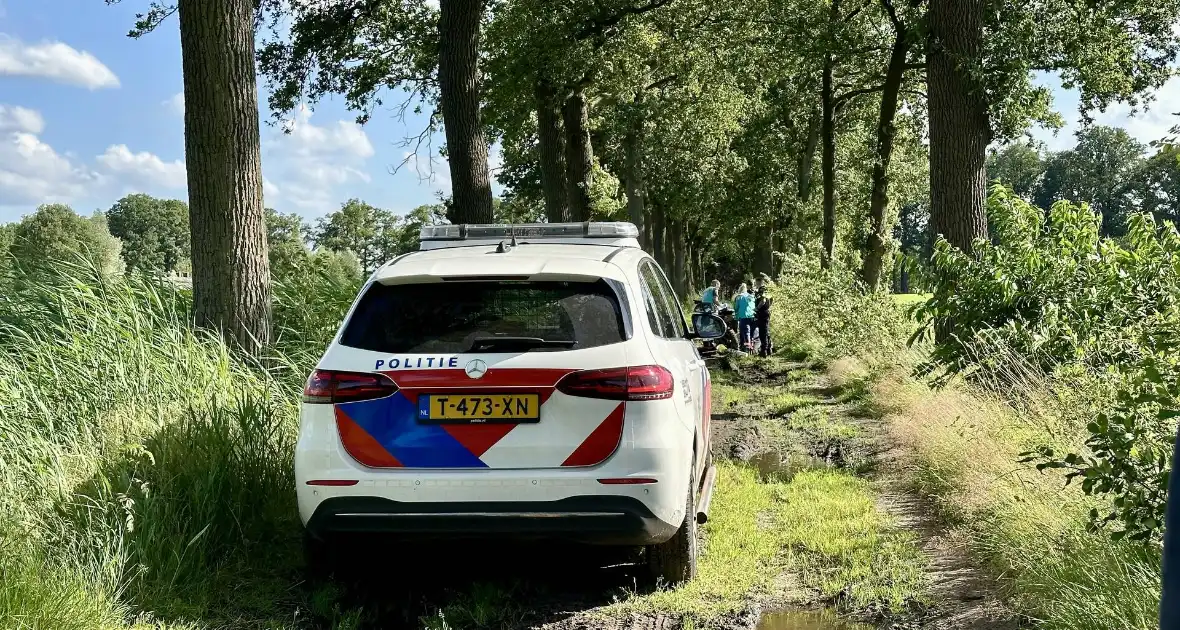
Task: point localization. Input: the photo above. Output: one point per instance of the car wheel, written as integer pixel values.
(674, 561)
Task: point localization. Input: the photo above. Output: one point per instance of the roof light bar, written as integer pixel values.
(589, 229)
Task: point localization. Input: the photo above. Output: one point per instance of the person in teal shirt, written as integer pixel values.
(743, 309)
(709, 297)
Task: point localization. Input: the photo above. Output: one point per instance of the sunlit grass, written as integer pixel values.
(1027, 526)
(822, 525)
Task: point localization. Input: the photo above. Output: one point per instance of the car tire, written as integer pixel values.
(674, 561)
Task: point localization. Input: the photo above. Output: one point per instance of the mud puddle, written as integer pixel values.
(807, 620)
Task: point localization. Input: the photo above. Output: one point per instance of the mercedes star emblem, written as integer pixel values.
(476, 368)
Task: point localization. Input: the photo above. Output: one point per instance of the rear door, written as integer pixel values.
(479, 367)
(671, 340)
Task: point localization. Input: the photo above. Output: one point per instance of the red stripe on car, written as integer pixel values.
(601, 443)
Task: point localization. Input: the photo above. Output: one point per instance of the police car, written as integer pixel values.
(524, 381)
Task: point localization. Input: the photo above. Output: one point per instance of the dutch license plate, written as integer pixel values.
(466, 408)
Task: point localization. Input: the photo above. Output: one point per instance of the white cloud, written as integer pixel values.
(143, 168)
(1151, 122)
(307, 164)
(343, 137)
(55, 61)
(176, 103)
(17, 118)
(431, 168)
(32, 172)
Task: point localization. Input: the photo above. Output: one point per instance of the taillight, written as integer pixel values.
(331, 386)
(646, 382)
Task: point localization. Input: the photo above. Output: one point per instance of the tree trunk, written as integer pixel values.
(458, 86)
(829, 160)
(231, 275)
(579, 155)
(551, 145)
(870, 271)
(691, 280)
(633, 176)
(699, 270)
(657, 233)
(647, 229)
(669, 245)
(807, 158)
(764, 250)
(680, 278)
(959, 129)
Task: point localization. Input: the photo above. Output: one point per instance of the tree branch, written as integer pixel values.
(600, 24)
(847, 96)
(897, 24)
(848, 18)
(662, 82)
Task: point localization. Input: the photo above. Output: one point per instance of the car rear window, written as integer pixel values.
(448, 317)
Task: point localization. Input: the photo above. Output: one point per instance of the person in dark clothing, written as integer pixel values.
(762, 305)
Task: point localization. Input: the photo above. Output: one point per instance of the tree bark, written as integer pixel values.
(231, 274)
(764, 249)
(680, 278)
(829, 158)
(551, 146)
(657, 233)
(807, 158)
(579, 158)
(647, 229)
(458, 84)
(959, 127)
(633, 176)
(669, 245)
(870, 272)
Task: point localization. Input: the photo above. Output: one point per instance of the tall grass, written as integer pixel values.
(1028, 526)
(143, 465)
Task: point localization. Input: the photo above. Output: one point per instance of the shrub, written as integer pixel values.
(826, 314)
(1051, 290)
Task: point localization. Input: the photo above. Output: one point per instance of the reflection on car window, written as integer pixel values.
(448, 317)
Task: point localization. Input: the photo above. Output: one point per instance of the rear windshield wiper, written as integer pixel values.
(517, 344)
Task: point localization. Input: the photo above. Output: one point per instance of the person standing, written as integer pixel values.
(709, 297)
(743, 309)
(762, 304)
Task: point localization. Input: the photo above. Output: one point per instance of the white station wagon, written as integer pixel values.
(525, 381)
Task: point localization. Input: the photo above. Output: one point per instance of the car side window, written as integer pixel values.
(654, 282)
(651, 302)
(676, 315)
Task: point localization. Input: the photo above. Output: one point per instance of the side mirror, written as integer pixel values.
(707, 326)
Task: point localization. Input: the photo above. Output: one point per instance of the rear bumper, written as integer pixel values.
(594, 519)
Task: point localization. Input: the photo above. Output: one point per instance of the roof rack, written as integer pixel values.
(611, 233)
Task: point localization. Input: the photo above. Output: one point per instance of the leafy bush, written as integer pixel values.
(826, 314)
(1055, 292)
(310, 301)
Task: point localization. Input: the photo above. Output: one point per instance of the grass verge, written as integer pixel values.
(822, 526)
(1028, 526)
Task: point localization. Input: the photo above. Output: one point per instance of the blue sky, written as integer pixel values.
(88, 115)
